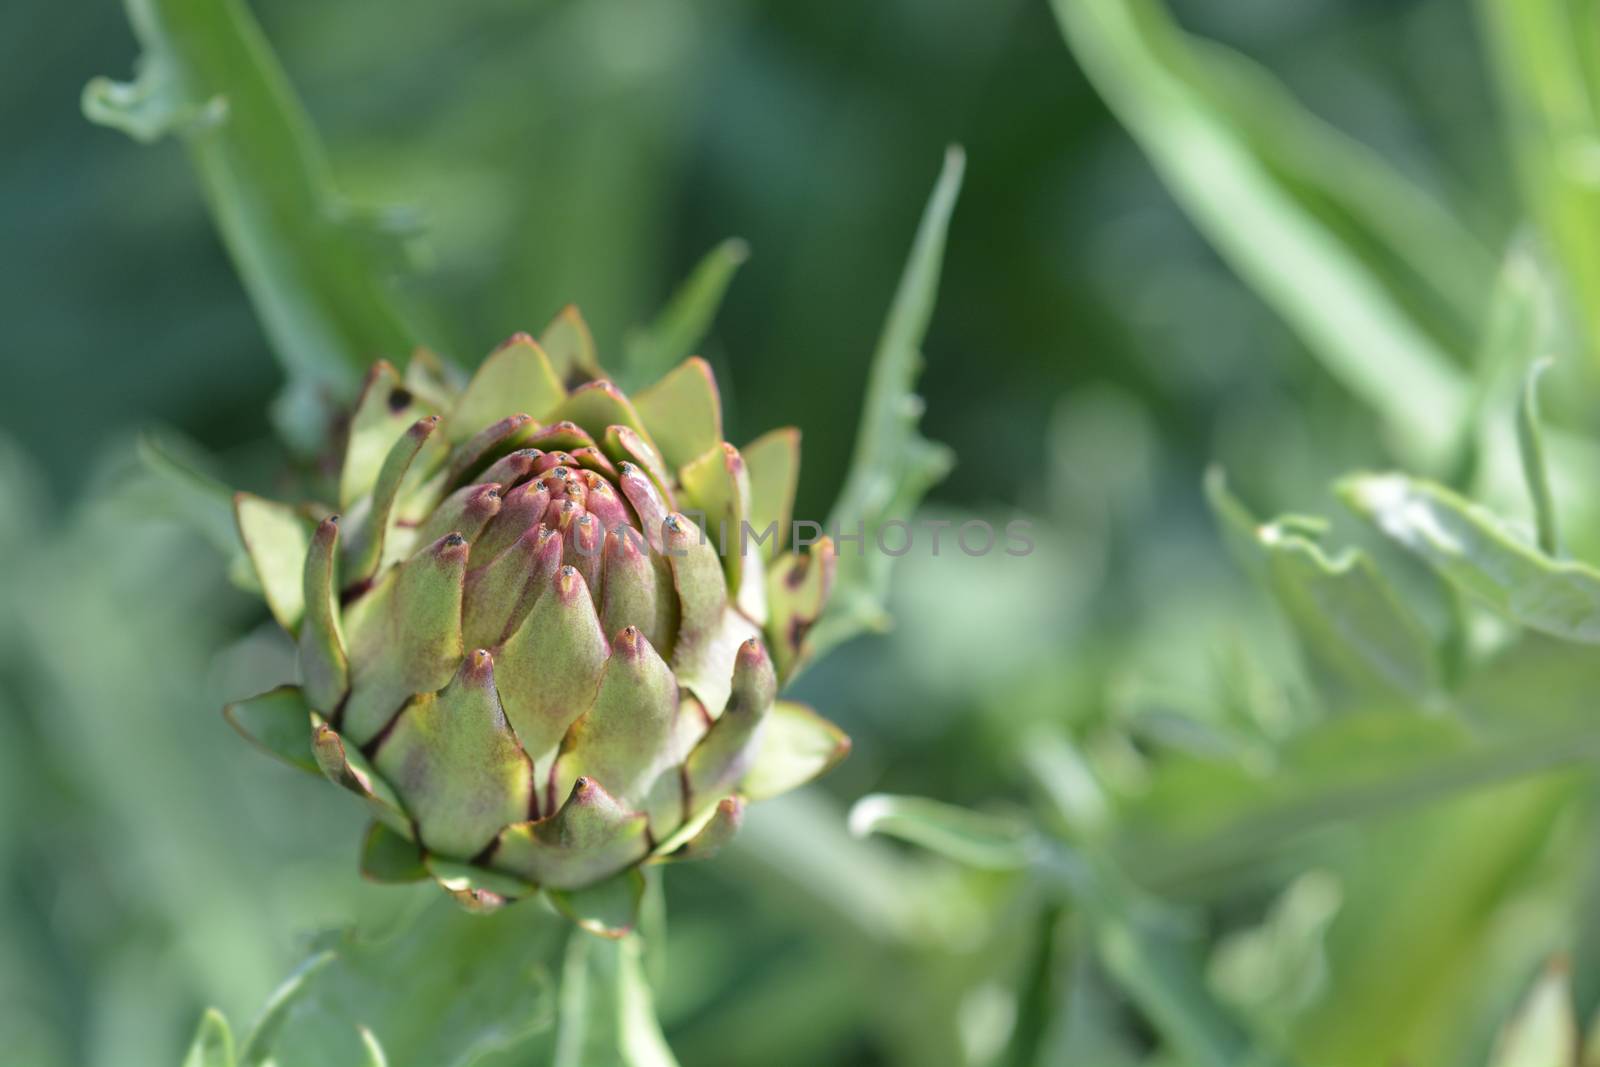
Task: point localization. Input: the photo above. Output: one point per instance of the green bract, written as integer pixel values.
(521, 640)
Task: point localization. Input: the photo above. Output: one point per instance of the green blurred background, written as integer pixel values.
(1090, 355)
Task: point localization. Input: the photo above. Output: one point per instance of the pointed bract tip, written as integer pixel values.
(485, 497)
(629, 642)
(518, 338)
(570, 584)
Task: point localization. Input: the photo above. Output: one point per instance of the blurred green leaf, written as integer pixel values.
(1356, 632)
(1549, 73)
(213, 1043)
(443, 990)
(193, 496)
(1238, 159)
(1429, 933)
(1201, 817)
(1154, 956)
(606, 909)
(1139, 941)
(375, 1056)
(680, 327)
(1530, 445)
(1544, 1031)
(892, 466)
(987, 842)
(607, 1013)
(1272, 970)
(317, 268)
(1471, 548)
(256, 1049)
(279, 723)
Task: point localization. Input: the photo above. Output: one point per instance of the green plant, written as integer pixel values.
(622, 583)
(512, 647)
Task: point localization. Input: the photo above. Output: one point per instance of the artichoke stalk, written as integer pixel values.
(536, 636)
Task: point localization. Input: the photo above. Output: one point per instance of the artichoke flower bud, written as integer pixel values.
(543, 635)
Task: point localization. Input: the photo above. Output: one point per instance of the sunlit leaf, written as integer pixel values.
(1200, 115)
(988, 842)
(1473, 549)
(1358, 635)
(1546, 60)
(1544, 1031)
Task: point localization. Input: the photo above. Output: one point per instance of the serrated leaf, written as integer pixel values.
(607, 1010)
(1473, 550)
(308, 260)
(1356, 633)
(684, 322)
(1260, 176)
(892, 467)
(987, 842)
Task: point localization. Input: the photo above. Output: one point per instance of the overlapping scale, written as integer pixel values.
(516, 648)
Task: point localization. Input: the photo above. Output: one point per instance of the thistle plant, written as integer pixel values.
(542, 634)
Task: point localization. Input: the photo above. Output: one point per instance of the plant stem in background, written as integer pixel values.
(316, 268)
(1548, 56)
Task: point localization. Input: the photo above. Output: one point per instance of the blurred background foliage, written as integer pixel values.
(1378, 892)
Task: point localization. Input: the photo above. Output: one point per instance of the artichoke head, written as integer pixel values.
(541, 635)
